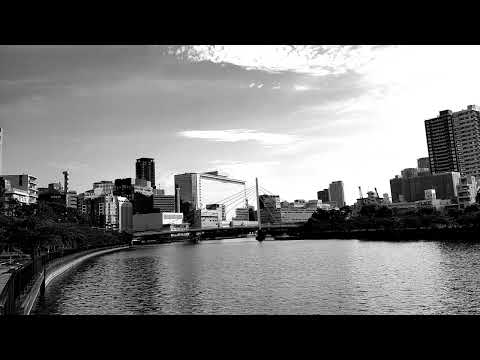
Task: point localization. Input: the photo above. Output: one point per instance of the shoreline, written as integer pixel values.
(58, 268)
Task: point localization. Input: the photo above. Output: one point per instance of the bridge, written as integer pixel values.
(232, 231)
(261, 230)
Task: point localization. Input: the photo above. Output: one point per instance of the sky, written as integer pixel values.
(296, 117)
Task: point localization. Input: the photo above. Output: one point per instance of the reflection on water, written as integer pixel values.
(242, 276)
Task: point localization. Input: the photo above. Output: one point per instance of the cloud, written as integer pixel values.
(311, 59)
(236, 135)
(300, 87)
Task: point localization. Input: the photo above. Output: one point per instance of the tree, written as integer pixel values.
(384, 212)
(472, 208)
(368, 210)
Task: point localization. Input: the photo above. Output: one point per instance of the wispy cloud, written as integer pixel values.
(235, 135)
(300, 87)
(315, 60)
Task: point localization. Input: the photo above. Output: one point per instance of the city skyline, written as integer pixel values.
(323, 113)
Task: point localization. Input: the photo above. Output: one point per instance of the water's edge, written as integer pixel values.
(57, 269)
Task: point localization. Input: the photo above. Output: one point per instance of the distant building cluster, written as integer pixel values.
(333, 196)
(448, 178)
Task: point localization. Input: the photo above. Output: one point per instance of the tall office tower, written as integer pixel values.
(188, 185)
(423, 163)
(1, 149)
(442, 149)
(199, 189)
(323, 195)
(466, 125)
(145, 169)
(336, 193)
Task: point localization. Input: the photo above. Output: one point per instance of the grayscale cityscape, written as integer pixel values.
(239, 180)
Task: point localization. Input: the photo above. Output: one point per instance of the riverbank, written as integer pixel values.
(26, 302)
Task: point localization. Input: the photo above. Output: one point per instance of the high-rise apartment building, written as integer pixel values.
(145, 169)
(466, 125)
(453, 140)
(337, 194)
(442, 150)
(324, 196)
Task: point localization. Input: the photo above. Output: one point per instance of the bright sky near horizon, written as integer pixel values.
(297, 117)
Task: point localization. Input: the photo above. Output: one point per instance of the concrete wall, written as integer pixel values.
(145, 222)
(56, 268)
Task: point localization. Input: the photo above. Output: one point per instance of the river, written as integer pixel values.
(243, 276)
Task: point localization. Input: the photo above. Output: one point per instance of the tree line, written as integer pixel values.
(50, 226)
(385, 218)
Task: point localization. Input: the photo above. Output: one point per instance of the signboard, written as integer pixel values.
(277, 203)
(169, 218)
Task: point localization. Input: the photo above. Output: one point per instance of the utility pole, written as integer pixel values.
(258, 206)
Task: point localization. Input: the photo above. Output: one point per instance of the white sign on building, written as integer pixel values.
(169, 218)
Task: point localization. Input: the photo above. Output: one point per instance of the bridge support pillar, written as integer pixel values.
(261, 235)
(195, 238)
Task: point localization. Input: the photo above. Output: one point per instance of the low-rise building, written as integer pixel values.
(412, 189)
(26, 183)
(164, 203)
(222, 211)
(467, 191)
(204, 218)
(243, 223)
(299, 203)
(159, 222)
(296, 214)
(105, 187)
(71, 200)
(241, 214)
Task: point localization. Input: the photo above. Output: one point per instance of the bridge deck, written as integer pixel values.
(216, 229)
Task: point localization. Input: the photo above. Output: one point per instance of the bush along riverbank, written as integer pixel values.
(383, 224)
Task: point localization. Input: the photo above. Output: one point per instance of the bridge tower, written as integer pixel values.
(260, 234)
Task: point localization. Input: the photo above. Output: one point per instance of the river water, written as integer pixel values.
(243, 276)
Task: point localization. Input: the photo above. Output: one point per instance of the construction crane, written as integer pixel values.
(377, 193)
(361, 194)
